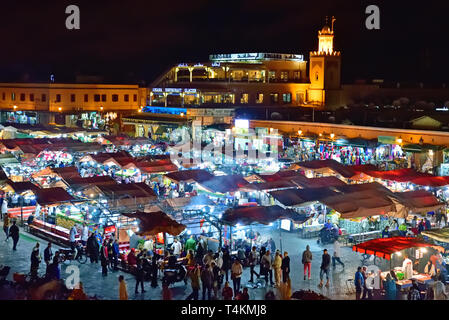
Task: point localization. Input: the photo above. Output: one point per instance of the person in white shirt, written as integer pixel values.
(407, 268)
(177, 248)
(84, 234)
(430, 269)
(73, 234)
(336, 256)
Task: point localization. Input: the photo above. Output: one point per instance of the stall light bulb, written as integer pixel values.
(398, 253)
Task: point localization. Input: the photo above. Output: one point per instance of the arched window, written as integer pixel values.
(316, 76)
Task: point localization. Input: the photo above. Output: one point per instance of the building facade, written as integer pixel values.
(254, 79)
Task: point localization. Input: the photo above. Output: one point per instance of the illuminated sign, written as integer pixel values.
(198, 65)
(236, 57)
(182, 65)
(157, 89)
(189, 90)
(176, 90)
(215, 64)
(242, 124)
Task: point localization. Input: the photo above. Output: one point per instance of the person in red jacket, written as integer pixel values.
(132, 260)
(104, 258)
(227, 292)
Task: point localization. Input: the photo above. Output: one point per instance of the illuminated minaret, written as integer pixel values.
(325, 67)
(326, 38)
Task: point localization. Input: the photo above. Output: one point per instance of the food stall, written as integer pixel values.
(394, 250)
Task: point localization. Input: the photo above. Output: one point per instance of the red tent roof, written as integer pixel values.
(385, 247)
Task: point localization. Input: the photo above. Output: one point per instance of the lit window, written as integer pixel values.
(274, 97)
(297, 75)
(272, 75)
(259, 98)
(287, 97)
(284, 76)
(244, 98)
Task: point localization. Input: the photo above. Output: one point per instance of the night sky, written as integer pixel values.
(130, 41)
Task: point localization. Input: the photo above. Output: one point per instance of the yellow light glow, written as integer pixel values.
(300, 132)
(332, 135)
(398, 140)
(398, 253)
(140, 110)
(431, 153)
(101, 108)
(182, 114)
(15, 107)
(321, 134)
(423, 250)
(59, 108)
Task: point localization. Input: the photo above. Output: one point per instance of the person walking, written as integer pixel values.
(253, 259)
(236, 274)
(190, 244)
(177, 248)
(227, 292)
(115, 252)
(194, 274)
(267, 266)
(92, 248)
(216, 278)
(336, 256)
(324, 268)
(307, 261)
(104, 258)
(226, 263)
(359, 282)
(390, 287)
(277, 268)
(73, 234)
(84, 234)
(6, 226)
(207, 279)
(14, 234)
(285, 267)
(140, 276)
(123, 291)
(48, 254)
(35, 261)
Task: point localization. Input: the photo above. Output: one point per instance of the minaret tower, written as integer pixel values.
(325, 67)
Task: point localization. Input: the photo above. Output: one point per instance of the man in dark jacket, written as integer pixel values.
(207, 278)
(48, 254)
(324, 269)
(140, 276)
(226, 263)
(14, 234)
(92, 248)
(285, 267)
(35, 261)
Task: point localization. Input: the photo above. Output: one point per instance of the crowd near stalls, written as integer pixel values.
(147, 196)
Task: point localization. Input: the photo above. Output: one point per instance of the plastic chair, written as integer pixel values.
(350, 287)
